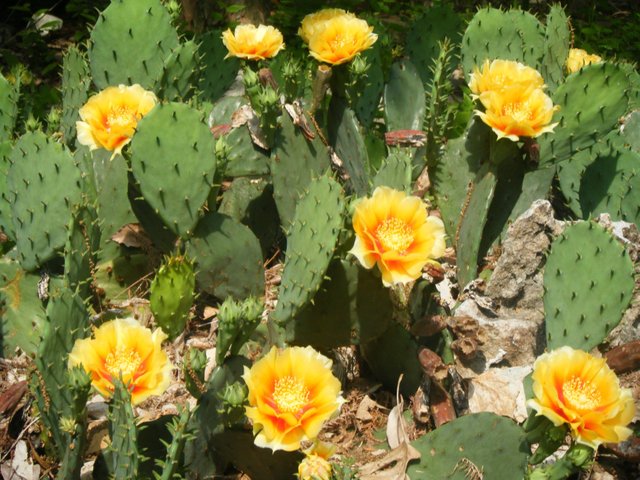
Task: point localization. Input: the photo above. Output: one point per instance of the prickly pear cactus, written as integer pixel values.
(404, 98)
(294, 161)
(311, 241)
(395, 172)
(76, 80)
(557, 40)
(80, 251)
(8, 108)
(22, 316)
(218, 73)
(172, 157)
(591, 101)
(588, 282)
(436, 24)
(180, 71)
(123, 456)
(129, 43)
(172, 293)
(228, 258)
(44, 186)
(481, 444)
(509, 35)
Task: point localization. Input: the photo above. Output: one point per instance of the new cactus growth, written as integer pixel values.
(76, 81)
(123, 456)
(236, 322)
(172, 293)
(588, 281)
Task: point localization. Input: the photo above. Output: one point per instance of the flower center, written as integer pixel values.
(121, 117)
(123, 362)
(395, 235)
(290, 394)
(580, 394)
(518, 111)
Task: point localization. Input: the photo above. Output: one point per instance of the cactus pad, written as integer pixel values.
(557, 40)
(129, 43)
(76, 80)
(228, 258)
(404, 98)
(44, 183)
(588, 281)
(172, 294)
(481, 442)
(172, 157)
(8, 108)
(311, 241)
(218, 72)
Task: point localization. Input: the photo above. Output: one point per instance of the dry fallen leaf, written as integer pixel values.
(132, 235)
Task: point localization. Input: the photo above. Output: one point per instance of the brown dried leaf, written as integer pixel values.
(365, 407)
(10, 398)
(132, 235)
(246, 115)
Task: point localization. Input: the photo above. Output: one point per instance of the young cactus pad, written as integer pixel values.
(172, 294)
(588, 282)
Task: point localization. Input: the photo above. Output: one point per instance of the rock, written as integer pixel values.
(500, 390)
(516, 282)
(507, 341)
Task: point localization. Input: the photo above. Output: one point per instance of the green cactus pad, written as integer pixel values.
(495, 445)
(508, 35)
(228, 258)
(588, 282)
(172, 293)
(351, 306)
(80, 250)
(630, 131)
(76, 80)
(8, 108)
(244, 157)
(172, 158)
(395, 172)
(404, 98)
(44, 184)
(311, 241)
(368, 97)
(123, 451)
(6, 223)
(346, 139)
(180, 71)
(250, 201)
(22, 316)
(129, 43)
(381, 354)
(472, 224)
(218, 72)
(431, 28)
(455, 172)
(591, 101)
(557, 40)
(294, 161)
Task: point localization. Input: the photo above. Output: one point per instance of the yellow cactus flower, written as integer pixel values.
(314, 21)
(123, 347)
(578, 58)
(339, 39)
(573, 387)
(316, 465)
(394, 231)
(109, 118)
(516, 112)
(253, 43)
(292, 392)
(500, 74)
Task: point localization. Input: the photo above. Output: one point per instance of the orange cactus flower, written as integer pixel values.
(253, 43)
(292, 392)
(515, 112)
(123, 347)
(314, 21)
(339, 39)
(394, 231)
(573, 387)
(109, 118)
(500, 74)
(578, 58)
